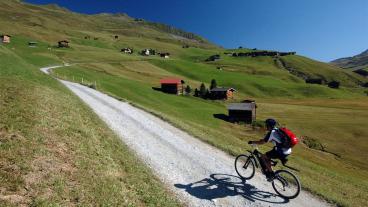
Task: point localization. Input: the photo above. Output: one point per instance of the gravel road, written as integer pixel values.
(199, 174)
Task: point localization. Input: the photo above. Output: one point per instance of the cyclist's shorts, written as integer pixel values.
(276, 154)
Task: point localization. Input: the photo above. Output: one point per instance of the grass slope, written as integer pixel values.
(333, 120)
(196, 116)
(55, 151)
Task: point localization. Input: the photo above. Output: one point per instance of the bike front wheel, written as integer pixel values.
(286, 184)
(244, 166)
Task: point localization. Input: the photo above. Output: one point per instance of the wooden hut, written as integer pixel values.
(172, 85)
(32, 44)
(63, 43)
(242, 112)
(165, 55)
(213, 58)
(334, 84)
(127, 50)
(5, 39)
(319, 81)
(222, 93)
(148, 52)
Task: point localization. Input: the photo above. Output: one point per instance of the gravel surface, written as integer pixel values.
(199, 174)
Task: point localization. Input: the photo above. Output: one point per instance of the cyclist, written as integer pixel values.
(278, 152)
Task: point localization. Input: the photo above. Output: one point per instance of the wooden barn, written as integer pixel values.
(242, 112)
(32, 44)
(127, 50)
(148, 52)
(172, 85)
(5, 39)
(334, 84)
(222, 93)
(319, 81)
(165, 55)
(63, 43)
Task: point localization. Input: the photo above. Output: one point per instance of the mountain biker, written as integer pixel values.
(278, 152)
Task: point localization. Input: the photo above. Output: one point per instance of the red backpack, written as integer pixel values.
(288, 138)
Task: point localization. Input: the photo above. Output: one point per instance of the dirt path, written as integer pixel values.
(199, 174)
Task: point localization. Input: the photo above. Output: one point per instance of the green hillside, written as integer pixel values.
(333, 120)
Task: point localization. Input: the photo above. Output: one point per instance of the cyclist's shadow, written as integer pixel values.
(223, 185)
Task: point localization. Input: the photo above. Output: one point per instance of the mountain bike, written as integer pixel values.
(285, 183)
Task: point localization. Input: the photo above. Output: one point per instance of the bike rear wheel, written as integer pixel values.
(286, 184)
(244, 166)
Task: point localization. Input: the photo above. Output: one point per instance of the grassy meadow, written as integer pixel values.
(338, 147)
(66, 156)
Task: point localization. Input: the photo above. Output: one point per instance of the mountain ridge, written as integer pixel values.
(354, 63)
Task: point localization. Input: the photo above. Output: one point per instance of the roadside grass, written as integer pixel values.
(196, 116)
(55, 152)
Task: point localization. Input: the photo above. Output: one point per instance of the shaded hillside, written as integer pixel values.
(355, 63)
(52, 23)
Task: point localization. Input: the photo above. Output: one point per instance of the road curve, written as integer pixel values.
(199, 174)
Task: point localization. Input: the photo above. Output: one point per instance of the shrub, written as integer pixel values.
(196, 92)
(202, 90)
(213, 84)
(313, 143)
(188, 89)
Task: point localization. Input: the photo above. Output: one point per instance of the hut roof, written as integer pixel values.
(66, 41)
(5, 35)
(222, 89)
(171, 81)
(241, 106)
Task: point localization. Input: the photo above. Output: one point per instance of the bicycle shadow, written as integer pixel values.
(223, 185)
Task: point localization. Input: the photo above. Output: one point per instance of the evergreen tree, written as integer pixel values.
(196, 92)
(202, 90)
(188, 89)
(208, 94)
(213, 84)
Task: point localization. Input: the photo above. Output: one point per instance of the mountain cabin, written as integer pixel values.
(222, 93)
(127, 50)
(242, 112)
(32, 44)
(165, 55)
(63, 43)
(5, 39)
(172, 85)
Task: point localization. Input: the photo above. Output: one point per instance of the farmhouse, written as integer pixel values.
(262, 53)
(334, 84)
(63, 43)
(172, 85)
(213, 58)
(5, 39)
(165, 55)
(221, 93)
(242, 112)
(32, 44)
(148, 52)
(361, 72)
(127, 50)
(319, 81)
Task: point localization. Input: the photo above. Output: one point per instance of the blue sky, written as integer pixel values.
(320, 29)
